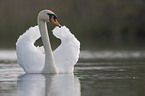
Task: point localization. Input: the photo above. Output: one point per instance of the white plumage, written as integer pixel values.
(32, 58)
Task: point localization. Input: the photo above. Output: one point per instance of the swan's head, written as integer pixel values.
(48, 16)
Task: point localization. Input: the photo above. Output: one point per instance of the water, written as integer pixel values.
(98, 73)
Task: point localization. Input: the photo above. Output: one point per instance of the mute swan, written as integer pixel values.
(33, 60)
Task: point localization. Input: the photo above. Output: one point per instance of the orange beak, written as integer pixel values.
(54, 21)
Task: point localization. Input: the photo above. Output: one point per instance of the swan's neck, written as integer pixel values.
(49, 66)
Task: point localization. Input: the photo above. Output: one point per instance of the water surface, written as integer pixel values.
(98, 73)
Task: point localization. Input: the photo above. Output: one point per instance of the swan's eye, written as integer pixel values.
(50, 16)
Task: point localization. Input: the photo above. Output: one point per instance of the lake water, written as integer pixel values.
(98, 73)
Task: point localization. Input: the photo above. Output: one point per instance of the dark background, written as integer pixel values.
(96, 23)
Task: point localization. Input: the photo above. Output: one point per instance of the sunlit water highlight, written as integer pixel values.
(10, 55)
(124, 77)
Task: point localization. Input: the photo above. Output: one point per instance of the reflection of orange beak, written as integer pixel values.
(54, 21)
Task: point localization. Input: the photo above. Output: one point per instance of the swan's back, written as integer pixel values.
(67, 54)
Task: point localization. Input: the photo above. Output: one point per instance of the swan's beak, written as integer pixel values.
(54, 21)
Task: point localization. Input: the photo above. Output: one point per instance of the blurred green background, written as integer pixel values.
(96, 23)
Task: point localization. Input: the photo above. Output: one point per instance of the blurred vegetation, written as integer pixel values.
(94, 22)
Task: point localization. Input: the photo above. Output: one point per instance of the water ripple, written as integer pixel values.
(110, 54)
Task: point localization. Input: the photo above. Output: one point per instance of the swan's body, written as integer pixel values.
(34, 60)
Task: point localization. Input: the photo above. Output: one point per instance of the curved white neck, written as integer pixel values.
(49, 66)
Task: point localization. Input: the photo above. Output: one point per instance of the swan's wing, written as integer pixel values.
(67, 54)
(29, 56)
(30, 36)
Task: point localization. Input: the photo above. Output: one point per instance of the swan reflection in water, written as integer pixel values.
(48, 85)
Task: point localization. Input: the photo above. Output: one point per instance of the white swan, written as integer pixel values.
(33, 60)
